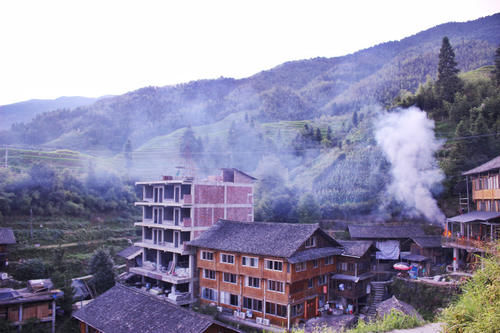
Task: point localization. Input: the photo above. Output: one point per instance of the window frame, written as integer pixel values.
(277, 284)
(210, 271)
(227, 255)
(310, 242)
(248, 284)
(274, 262)
(204, 253)
(230, 275)
(302, 265)
(248, 260)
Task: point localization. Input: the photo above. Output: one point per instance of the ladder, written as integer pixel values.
(463, 203)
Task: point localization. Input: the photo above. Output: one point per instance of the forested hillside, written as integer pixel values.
(305, 127)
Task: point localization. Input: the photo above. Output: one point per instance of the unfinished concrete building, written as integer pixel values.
(178, 210)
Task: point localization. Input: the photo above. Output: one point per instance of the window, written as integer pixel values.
(209, 294)
(209, 274)
(315, 263)
(341, 266)
(310, 283)
(275, 286)
(229, 278)
(274, 265)
(297, 309)
(252, 304)
(253, 282)
(329, 260)
(310, 242)
(250, 261)
(230, 299)
(322, 279)
(350, 267)
(301, 266)
(226, 258)
(276, 309)
(206, 255)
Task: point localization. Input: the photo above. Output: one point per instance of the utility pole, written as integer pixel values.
(31, 225)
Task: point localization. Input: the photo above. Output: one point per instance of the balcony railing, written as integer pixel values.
(484, 244)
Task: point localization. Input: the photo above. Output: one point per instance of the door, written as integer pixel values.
(177, 193)
(176, 239)
(177, 216)
(310, 308)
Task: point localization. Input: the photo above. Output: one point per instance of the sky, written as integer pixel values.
(93, 48)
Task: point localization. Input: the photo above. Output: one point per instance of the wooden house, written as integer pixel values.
(124, 309)
(274, 273)
(350, 285)
(37, 301)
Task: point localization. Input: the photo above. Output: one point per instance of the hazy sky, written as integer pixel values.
(92, 48)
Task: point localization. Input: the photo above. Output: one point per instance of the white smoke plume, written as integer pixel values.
(408, 142)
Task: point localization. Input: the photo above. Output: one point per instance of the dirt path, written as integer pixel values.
(429, 328)
(97, 241)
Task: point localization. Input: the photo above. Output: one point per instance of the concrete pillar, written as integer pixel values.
(455, 259)
(158, 260)
(173, 289)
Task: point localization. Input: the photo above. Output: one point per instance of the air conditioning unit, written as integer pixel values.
(236, 313)
(265, 322)
(242, 315)
(258, 320)
(219, 308)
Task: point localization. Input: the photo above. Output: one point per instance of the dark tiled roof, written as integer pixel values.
(261, 238)
(316, 253)
(355, 248)
(125, 310)
(475, 216)
(7, 236)
(129, 251)
(494, 164)
(385, 232)
(239, 171)
(428, 241)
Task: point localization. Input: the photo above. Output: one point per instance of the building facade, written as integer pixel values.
(274, 273)
(178, 210)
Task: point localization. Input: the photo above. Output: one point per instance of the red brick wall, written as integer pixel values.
(239, 214)
(218, 214)
(209, 194)
(203, 216)
(238, 195)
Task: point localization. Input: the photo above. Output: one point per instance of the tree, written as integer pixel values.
(128, 155)
(497, 66)
(318, 135)
(448, 81)
(308, 209)
(476, 310)
(101, 267)
(355, 119)
(30, 269)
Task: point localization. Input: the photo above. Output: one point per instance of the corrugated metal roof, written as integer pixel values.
(475, 216)
(493, 164)
(355, 248)
(130, 252)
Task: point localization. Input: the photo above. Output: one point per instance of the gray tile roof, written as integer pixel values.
(428, 241)
(129, 251)
(355, 248)
(260, 238)
(353, 278)
(475, 216)
(126, 310)
(493, 164)
(316, 253)
(7, 236)
(385, 232)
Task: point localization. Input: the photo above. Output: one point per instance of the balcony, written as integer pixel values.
(469, 244)
(185, 201)
(487, 194)
(178, 276)
(181, 248)
(166, 224)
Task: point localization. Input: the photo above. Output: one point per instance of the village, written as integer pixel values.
(200, 247)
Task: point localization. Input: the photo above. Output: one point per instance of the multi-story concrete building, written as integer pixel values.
(274, 273)
(178, 210)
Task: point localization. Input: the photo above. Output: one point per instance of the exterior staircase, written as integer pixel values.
(377, 296)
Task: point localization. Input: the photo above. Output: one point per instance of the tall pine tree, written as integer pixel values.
(448, 82)
(497, 66)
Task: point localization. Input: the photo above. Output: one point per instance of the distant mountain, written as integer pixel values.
(297, 90)
(27, 110)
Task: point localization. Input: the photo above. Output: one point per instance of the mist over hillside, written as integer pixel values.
(312, 118)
